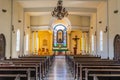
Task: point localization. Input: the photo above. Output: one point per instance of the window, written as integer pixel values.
(27, 42)
(92, 42)
(18, 40)
(101, 40)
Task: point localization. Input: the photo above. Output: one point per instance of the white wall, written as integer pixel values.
(27, 32)
(102, 16)
(17, 15)
(76, 20)
(5, 24)
(105, 14)
(93, 32)
(114, 24)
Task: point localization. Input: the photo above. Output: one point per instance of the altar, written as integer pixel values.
(60, 51)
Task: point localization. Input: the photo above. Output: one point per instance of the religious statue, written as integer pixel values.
(75, 48)
(39, 51)
(43, 51)
(47, 51)
(60, 36)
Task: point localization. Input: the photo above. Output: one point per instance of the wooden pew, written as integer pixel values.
(78, 69)
(37, 62)
(25, 62)
(12, 71)
(94, 73)
(22, 62)
(83, 63)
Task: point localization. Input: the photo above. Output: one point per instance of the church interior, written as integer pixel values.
(59, 40)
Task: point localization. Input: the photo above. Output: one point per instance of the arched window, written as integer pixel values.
(18, 40)
(101, 40)
(92, 42)
(27, 42)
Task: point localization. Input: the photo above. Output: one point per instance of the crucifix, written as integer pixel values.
(76, 42)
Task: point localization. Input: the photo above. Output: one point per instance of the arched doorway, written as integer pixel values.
(2, 46)
(117, 47)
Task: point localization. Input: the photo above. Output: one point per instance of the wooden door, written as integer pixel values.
(2, 46)
(117, 47)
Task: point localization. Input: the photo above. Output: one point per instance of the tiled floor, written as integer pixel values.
(59, 70)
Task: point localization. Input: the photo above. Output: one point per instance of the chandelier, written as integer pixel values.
(59, 11)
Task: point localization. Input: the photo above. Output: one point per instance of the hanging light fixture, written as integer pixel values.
(59, 11)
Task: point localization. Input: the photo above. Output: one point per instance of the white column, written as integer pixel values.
(33, 42)
(37, 41)
(69, 43)
(82, 42)
(86, 38)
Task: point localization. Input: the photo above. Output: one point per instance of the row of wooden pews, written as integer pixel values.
(25, 68)
(87, 67)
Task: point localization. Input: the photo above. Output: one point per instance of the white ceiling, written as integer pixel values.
(76, 7)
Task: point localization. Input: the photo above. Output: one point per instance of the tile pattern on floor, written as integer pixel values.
(59, 70)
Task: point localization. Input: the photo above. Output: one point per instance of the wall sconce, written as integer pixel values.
(91, 27)
(116, 11)
(32, 31)
(4, 10)
(100, 22)
(28, 27)
(19, 21)
(13, 30)
(106, 29)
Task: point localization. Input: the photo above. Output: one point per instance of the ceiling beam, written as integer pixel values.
(70, 9)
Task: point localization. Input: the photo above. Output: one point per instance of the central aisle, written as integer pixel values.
(59, 70)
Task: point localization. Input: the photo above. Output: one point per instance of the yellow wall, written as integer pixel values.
(75, 20)
(79, 35)
(42, 35)
(83, 38)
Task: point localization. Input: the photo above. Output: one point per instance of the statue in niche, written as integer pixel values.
(59, 36)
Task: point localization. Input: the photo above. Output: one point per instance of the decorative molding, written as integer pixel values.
(70, 9)
(37, 28)
(83, 28)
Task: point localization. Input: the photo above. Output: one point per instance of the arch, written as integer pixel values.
(59, 35)
(2, 46)
(65, 21)
(117, 47)
(61, 26)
